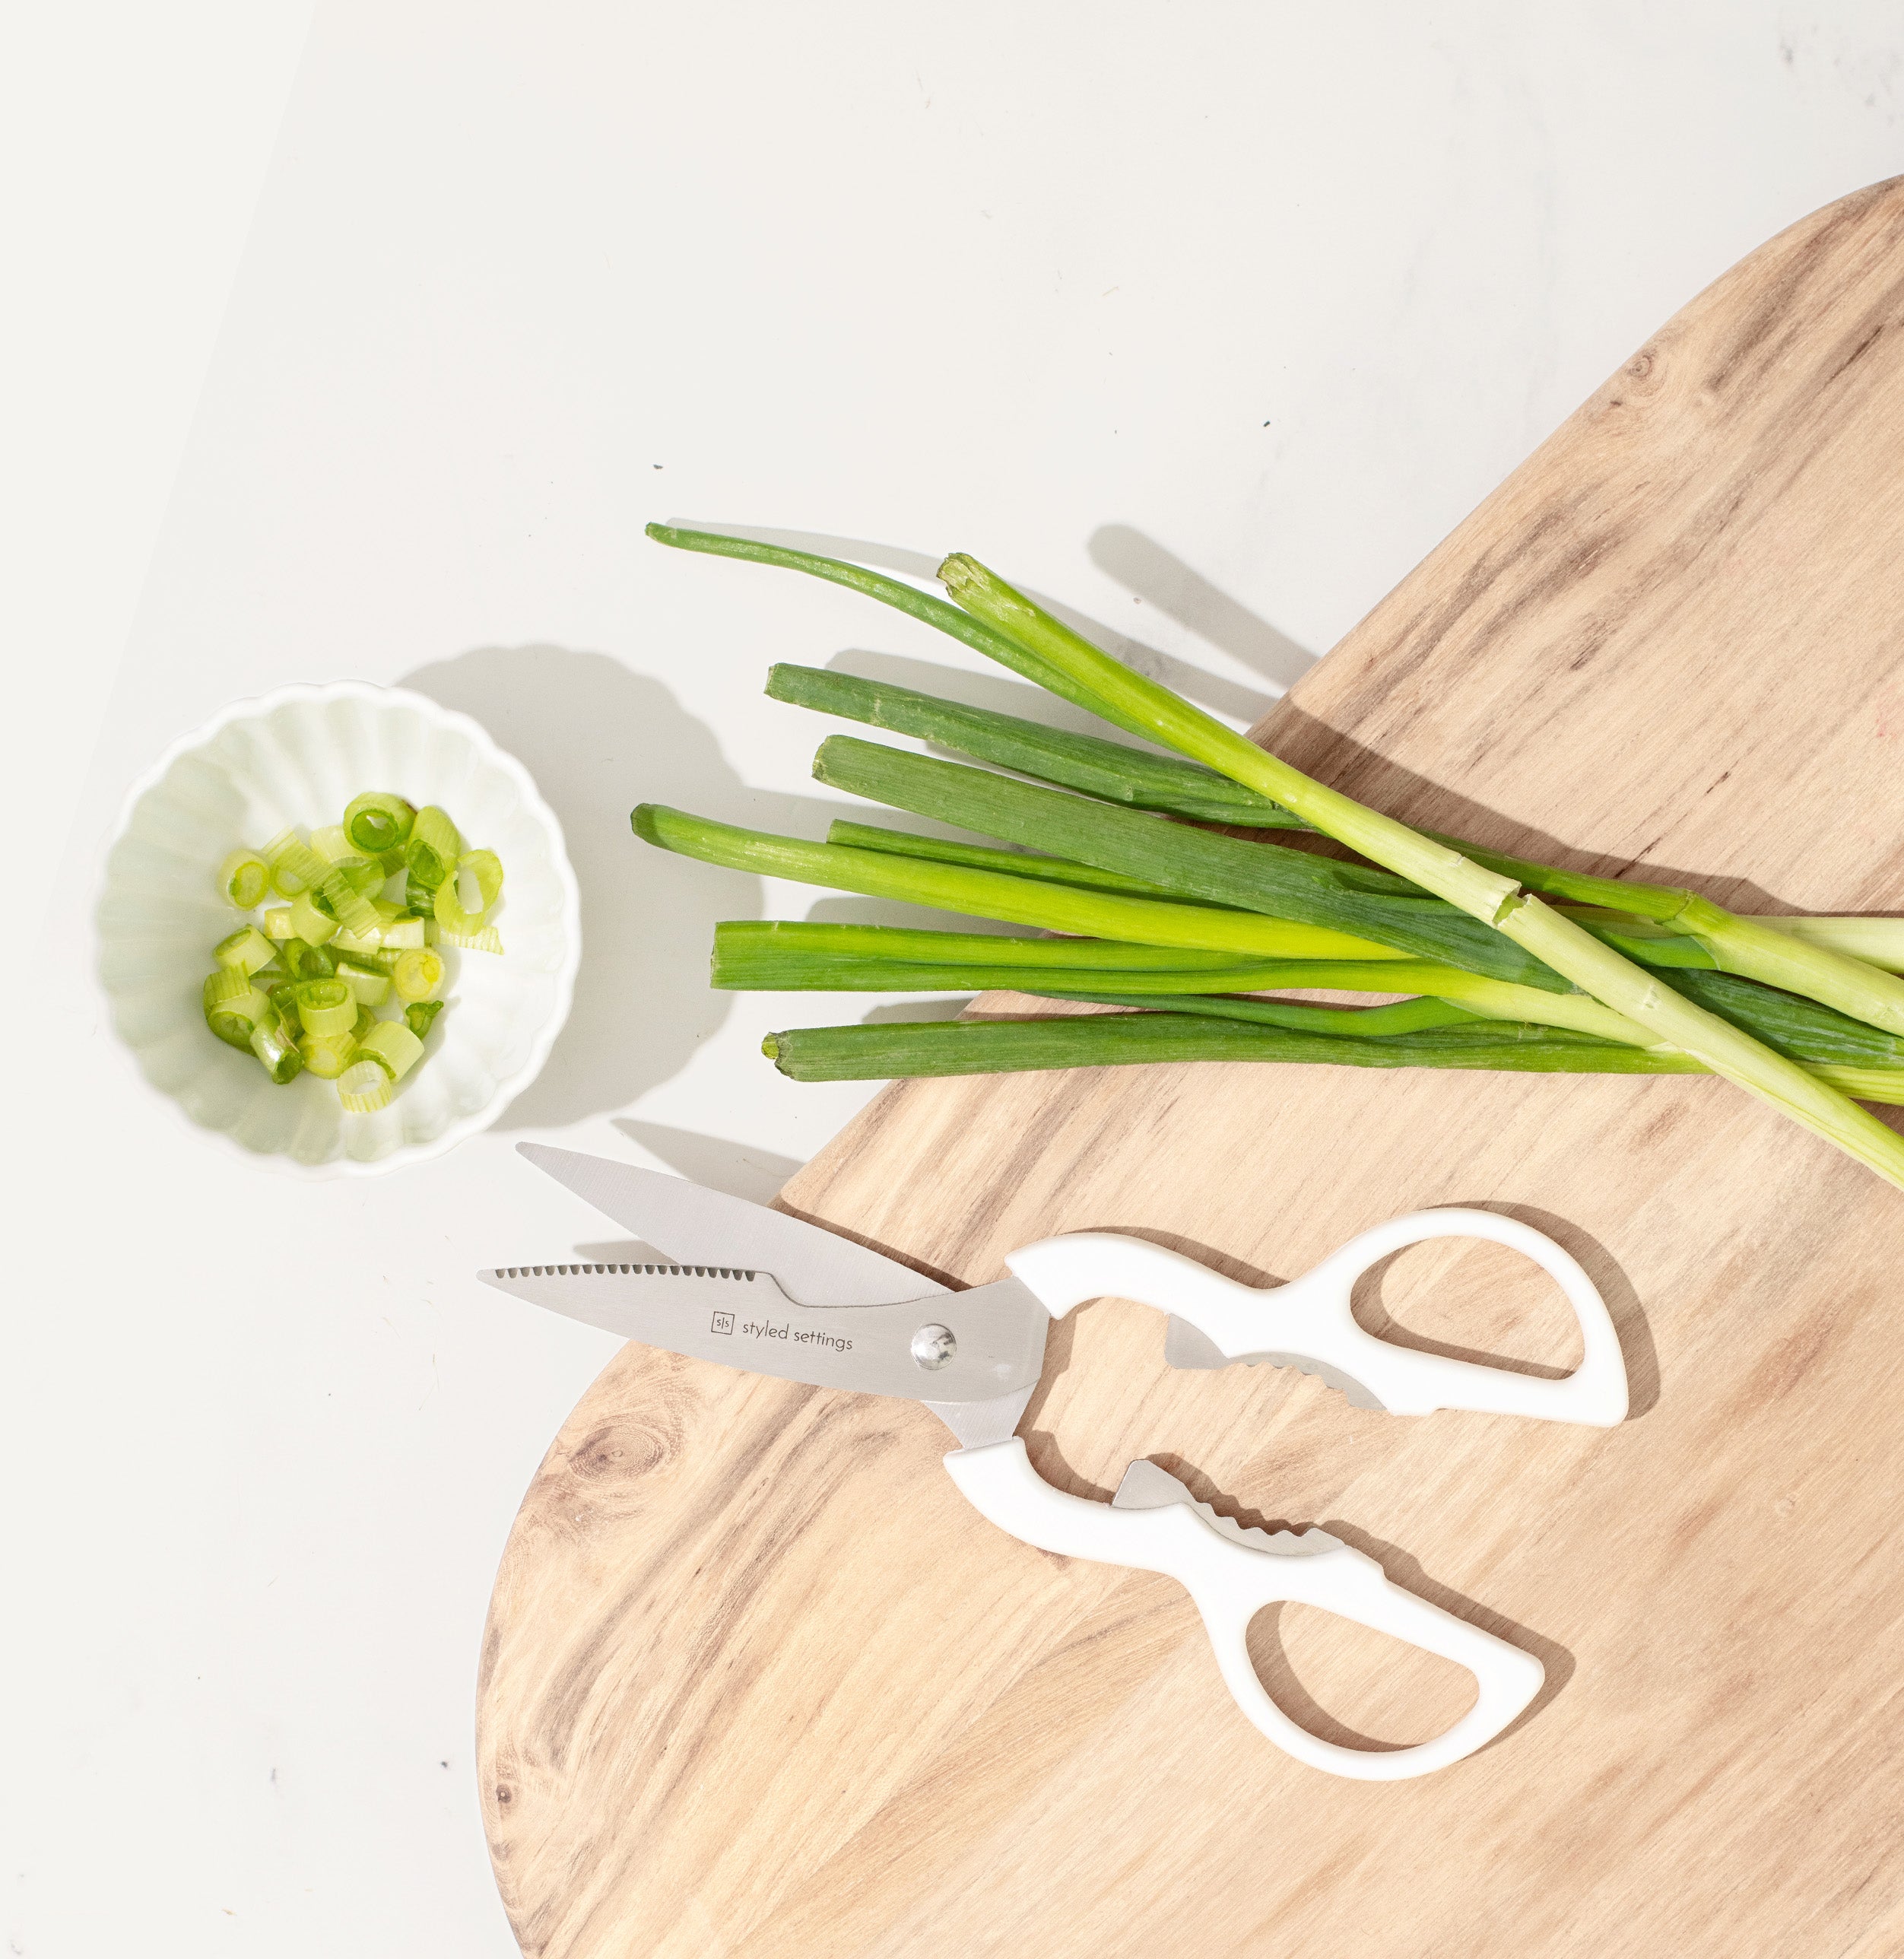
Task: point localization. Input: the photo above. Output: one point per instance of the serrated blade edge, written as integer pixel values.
(1148, 1486)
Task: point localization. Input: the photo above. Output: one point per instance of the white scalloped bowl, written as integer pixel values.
(297, 756)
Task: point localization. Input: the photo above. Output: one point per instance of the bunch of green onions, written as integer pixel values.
(1501, 963)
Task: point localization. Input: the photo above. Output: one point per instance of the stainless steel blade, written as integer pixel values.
(696, 1225)
(1188, 1346)
(949, 1348)
(1147, 1486)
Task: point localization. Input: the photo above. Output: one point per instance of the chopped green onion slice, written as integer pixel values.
(314, 926)
(333, 844)
(366, 1020)
(435, 845)
(244, 880)
(418, 974)
(394, 1046)
(295, 866)
(417, 1016)
(387, 912)
(277, 923)
(451, 915)
(479, 879)
(488, 940)
(327, 1055)
(303, 961)
(274, 1043)
(246, 949)
(372, 989)
(403, 935)
(357, 944)
(377, 822)
(232, 1005)
(345, 902)
(363, 1088)
(464, 901)
(233, 1027)
(420, 899)
(284, 1003)
(326, 1007)
(361, 873)
(232, 1018)
(227, 984)
(284, 879)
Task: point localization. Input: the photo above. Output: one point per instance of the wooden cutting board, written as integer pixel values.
(756, 1681)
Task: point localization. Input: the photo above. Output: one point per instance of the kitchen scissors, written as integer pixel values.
(756, 1289)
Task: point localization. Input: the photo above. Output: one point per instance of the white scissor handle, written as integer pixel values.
(1312, 1317)
(1232, 1582)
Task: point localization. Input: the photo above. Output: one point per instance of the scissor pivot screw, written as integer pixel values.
(933, 1346)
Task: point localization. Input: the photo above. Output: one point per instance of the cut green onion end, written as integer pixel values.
(313, 926)
(392, 1045)
(371, 988)
(244, 878)
(275, 1042)
(244, 950)
(376, 822)
(418, 1016)
(326, 1056)
(363, 1088)
(488, 940)
(327, 1007)
(418, 974)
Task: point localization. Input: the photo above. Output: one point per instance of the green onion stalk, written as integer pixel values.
(759, 956)
(771, 938)
(1002, 1046)
(1868, 1078)
(1876, 941)
(742, 963)
(983, 857)
(949, 619)
(989, 1046)
(993, 894)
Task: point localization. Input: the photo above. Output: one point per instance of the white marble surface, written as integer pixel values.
(1209, 320)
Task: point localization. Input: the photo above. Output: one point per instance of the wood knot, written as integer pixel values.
(620, 1452)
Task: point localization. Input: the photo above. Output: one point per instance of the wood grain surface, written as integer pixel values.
(756, 1681)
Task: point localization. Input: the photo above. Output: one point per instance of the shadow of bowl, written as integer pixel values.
(597, 738)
